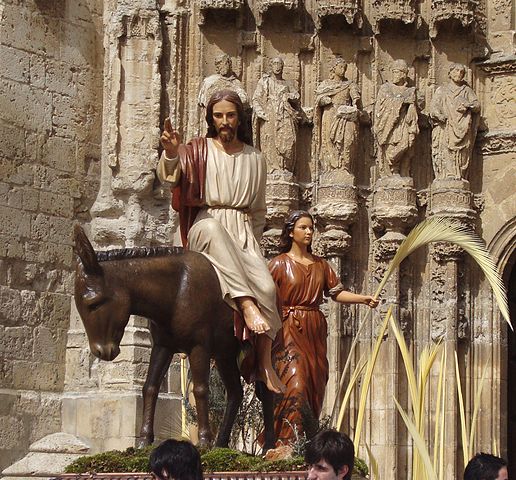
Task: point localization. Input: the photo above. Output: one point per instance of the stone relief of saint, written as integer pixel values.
(455, 115)
(224, 79)
(337, 119)
(395, 123)
(277, 114)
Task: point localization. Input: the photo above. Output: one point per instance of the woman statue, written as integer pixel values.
(300, 347)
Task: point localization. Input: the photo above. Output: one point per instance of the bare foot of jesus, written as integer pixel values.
(253, 318)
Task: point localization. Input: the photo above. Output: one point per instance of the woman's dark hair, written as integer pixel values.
(230, 96)
(288, 228)
(179, 458)
(334, 448)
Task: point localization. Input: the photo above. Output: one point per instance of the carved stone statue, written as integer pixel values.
(395, 124)
(277, 113)
(224, 79)
(337, 103)
(454, 113)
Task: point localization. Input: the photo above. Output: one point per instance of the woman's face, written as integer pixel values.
(303, 231)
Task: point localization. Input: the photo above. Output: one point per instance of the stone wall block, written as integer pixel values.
(16, 343)
(15, 64)
(78, 46)
(4, 191)
(12, 140)
(11, 302)
(16, 222)
(37, 376)
(47, 345)
(54, 310)
(59, 153)
(37, 70)
(56, 204)
(17, 105)
(61, 78)
(12, 430)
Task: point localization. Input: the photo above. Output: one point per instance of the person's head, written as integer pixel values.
(277, 65)
(338, 67)
(225, 116)
(177, 460)
(223, 64)
(456, 72)
(330, 456)
(399, 71)
(484, 466)
(298, 227)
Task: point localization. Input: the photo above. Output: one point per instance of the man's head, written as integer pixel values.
(456, 72)
(484, 466)
(223, 64)
(330, 456)
(226, 117)
(177, 460)
(399, 71)
(277, 65)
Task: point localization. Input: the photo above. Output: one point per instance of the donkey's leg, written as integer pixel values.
(266, 397)
(200, 368)
(230, 376)
(159, 363)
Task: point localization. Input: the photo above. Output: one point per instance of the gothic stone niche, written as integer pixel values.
(349, 9)
(264, 5)
(229, 5)
(139, 26)
(396, 10)
(461, 10)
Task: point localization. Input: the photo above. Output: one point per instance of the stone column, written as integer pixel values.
(394, 212)
(102, 400)
(453, 199)
(335, 211)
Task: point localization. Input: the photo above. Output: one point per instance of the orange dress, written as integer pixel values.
(299, 352)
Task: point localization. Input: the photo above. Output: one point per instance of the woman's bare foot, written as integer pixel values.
(252, 316)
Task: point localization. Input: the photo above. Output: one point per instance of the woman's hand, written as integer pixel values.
(370, 301)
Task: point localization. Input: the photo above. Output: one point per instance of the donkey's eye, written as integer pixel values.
(96, 305)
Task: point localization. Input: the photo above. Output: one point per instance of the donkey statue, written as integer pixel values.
(179, 292)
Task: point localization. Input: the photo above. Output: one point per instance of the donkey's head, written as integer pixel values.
(102, 304)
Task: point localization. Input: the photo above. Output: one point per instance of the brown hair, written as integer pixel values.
(230, 96)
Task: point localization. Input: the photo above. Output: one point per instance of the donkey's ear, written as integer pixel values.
(85, 252)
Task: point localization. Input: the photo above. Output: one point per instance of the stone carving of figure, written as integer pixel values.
(224, 79)
(277, 113)
(455, 114)
(337, 102)
(395, 124)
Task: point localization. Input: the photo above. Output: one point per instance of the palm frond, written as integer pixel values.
(464, 427)
(367, 378)
(442, 229)
(374, 463)
(476, 406)
(419, 443)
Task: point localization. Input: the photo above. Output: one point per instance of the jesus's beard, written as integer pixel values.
(226, 134)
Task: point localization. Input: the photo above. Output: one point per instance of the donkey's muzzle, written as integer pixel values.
(105, 352)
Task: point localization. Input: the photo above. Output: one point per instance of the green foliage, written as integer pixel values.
(216, 460)
(361, 467)
(130, 460)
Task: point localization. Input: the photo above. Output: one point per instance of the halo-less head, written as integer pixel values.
(288, 228)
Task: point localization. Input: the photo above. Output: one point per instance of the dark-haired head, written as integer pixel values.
(334, 448)
(176, 459)
(230, 96)
(484, 466)
(288, 228)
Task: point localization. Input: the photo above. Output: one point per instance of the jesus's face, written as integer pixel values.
(225, 120)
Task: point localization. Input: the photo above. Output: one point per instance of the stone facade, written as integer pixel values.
(106, 73)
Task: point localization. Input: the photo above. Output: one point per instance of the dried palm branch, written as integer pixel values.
(420, 445)
(374, 464)
(367, 379)
(439, 416)
(464, 427)
(437, 229)
(476, 406)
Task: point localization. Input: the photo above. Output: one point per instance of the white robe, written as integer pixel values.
(228, 230)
